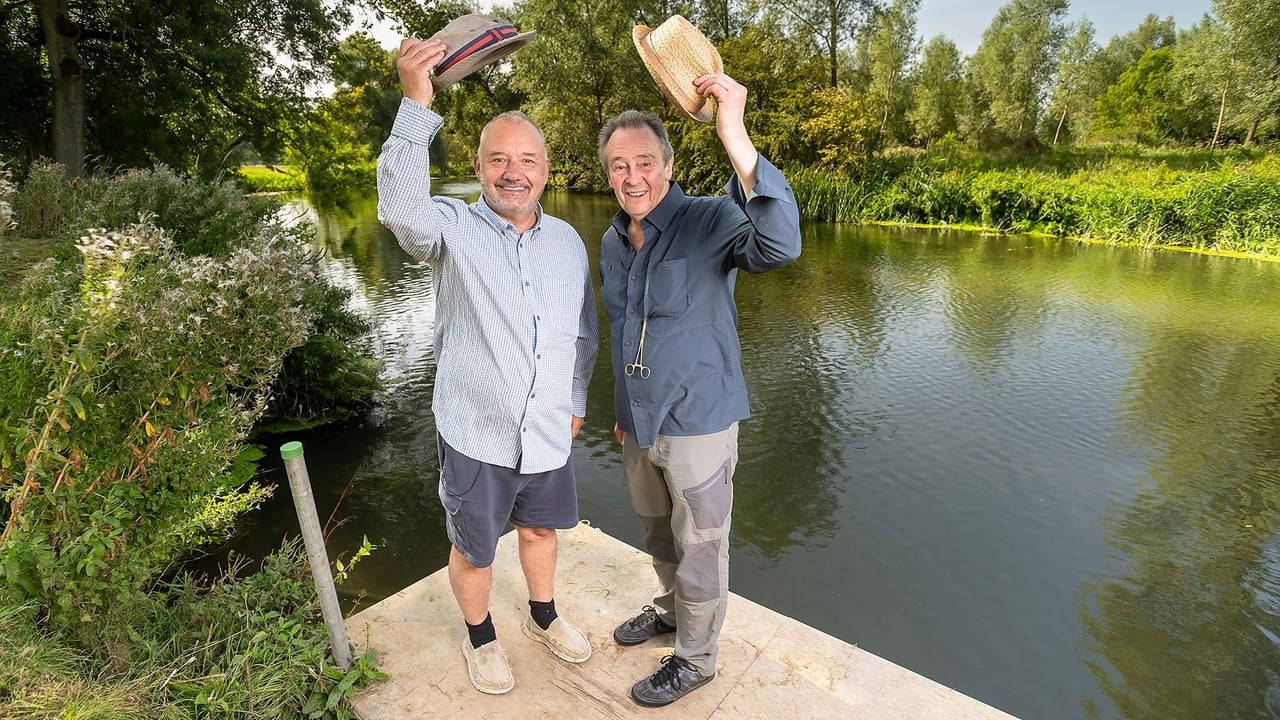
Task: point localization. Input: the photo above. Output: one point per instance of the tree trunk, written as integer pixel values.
(61, 39)
(1058, 132)
(1253, 130)
(1217, 130)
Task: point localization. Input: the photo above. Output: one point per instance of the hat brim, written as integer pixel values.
(481, 58)
(686, 99)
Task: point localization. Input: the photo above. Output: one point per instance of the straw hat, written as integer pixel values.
(471, 42)
(676, 54)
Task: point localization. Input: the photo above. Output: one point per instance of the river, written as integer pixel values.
(1044, 473)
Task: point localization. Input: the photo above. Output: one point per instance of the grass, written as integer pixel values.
(17, 255)
(1227, 202)
(270, 178)
(234, 648)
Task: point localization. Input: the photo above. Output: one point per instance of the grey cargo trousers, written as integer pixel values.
(682, 489)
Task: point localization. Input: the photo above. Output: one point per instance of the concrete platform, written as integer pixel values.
(770, 666)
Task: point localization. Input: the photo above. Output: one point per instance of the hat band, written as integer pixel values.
(491, 37)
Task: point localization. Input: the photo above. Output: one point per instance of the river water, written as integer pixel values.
(1044, 473)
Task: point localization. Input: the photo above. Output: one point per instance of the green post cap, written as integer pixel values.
(291, 450)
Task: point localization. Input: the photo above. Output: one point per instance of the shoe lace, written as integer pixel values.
(648, 614)
(669, 673)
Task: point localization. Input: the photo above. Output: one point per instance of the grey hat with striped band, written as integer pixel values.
(473, 41)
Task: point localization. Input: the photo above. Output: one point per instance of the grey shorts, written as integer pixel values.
(479, 499)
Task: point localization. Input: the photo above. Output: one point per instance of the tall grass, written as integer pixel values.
(238, 647)
(1173, 199)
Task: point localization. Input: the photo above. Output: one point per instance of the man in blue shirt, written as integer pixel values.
(515, 343)
(668, 264)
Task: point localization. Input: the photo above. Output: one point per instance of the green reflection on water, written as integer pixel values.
(902, 378)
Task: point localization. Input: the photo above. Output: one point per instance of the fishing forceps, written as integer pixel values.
(638, 366)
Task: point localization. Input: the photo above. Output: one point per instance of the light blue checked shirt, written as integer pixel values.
(516, 332)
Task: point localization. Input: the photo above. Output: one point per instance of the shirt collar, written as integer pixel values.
(500, 223)
(660, 217)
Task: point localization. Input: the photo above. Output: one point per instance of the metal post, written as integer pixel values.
(300, 484)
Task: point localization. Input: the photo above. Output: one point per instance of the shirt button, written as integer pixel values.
(526, 283)
(627, 343)
(533, 395)
(635, 403)
(631, 311)
(633, 277)
(524, 429)
(539, 356)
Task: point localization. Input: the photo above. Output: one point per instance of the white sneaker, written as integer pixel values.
(488, 667)
(565, 640)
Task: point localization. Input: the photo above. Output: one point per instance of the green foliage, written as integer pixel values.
(239, 647)
(180, 84)
(136, 377)
(1136, 107)
(1171, 199)
(326, 377)
(1011, 70)
(198, 218)
(7, 191)
(939, 84)
(135, 370)
(578, 74)
(273, 178)
(843, 129)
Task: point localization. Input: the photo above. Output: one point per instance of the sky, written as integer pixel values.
(964, 20)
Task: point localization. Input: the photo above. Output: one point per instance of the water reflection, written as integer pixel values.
(1039, 472)
(1196, 608)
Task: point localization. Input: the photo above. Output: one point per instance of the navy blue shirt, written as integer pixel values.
(682, 281)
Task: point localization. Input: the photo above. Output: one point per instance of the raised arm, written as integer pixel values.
(405, 205)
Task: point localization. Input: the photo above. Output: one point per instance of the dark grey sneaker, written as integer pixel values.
(642, 627)
(675, 679)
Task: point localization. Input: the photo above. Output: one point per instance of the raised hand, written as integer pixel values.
(415, 62)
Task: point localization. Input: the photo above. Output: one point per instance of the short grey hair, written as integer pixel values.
(633, 120)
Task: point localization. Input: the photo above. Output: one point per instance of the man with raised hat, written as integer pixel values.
(515, 341)
(669, 263)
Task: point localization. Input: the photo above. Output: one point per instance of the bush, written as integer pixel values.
(238, 647)
(7, 191)
(134, 379)
(213, 219)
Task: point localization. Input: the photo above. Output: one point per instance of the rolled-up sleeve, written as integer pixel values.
(768, 237)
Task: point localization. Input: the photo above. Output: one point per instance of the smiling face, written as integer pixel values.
(511, 166)
(638, 173)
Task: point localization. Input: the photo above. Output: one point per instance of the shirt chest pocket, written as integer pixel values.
(668, 288)
(557, 306)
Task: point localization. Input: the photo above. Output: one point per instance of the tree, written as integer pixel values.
(1073, 95)
(1253, 37)
(833, 23)
(1124, 51)
(1011, 70)
(939, 83)
(1136, 106)
(892, 50)
(136, 83)
(582, 69)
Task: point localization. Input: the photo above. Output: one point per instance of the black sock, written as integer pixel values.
(544, 613)
(482, 633)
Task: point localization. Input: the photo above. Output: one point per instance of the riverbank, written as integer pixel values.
(1225, 203)
(164, 320)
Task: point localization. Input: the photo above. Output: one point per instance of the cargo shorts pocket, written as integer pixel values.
(710, 502)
